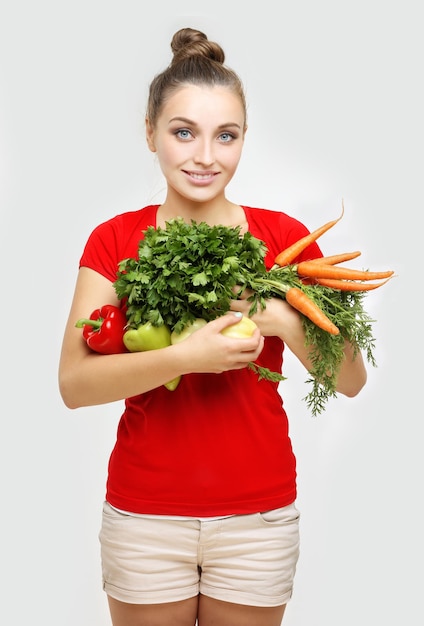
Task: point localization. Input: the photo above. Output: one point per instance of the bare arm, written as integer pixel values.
(87, 378)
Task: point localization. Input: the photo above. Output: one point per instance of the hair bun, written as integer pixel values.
(189, 42)
(196, 61)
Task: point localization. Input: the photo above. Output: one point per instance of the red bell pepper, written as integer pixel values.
(104, 330)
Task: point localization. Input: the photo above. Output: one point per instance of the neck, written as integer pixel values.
(216, 211)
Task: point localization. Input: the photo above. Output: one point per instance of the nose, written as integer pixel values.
(204, 154)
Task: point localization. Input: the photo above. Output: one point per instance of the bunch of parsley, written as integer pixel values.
(186, 271)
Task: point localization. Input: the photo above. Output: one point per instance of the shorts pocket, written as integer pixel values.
(284, 515)
(109, 511)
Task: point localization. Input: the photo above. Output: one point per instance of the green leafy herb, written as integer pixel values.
(186, 271)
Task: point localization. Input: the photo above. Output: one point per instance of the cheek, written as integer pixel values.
(168, 153)
(232, 159)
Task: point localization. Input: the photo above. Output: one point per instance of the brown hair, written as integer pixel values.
(196, 61)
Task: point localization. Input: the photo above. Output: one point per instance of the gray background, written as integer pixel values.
(335, 112)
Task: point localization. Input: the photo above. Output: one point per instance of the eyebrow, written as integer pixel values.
(186, 120)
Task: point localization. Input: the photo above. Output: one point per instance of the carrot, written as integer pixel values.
(348, 285)
(321, 270)
(285, 257)
(300, 301)
(334, 259)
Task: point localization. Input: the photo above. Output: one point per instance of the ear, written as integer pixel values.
(150, 135)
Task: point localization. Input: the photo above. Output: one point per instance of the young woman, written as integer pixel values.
(199, 520)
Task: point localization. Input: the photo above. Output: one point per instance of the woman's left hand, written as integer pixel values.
(270, 320)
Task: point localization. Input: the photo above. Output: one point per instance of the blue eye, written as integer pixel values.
(183, 133)
(226, 137)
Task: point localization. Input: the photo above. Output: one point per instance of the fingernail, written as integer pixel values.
(237, 314)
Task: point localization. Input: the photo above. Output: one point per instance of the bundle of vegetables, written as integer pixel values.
(189, 271)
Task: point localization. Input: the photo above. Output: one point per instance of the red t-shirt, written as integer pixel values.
(219, 444)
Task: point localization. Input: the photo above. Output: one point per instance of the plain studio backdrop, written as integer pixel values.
(335, 100)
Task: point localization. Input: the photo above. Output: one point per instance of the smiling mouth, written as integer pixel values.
(200, 176)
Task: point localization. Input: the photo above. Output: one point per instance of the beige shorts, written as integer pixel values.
(245, 559)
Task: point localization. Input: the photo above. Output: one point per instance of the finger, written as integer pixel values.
(239, 306)
(241, 293)
(226, 320)
(256, 345)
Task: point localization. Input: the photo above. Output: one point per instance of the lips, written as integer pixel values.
(202, 177)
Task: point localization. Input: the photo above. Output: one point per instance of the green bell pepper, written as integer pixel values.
(188, 330)
(150, 337)
(147, 337)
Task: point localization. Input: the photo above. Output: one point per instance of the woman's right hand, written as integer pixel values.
(209, 351)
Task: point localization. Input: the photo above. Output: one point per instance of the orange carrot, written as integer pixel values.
(348, 285)
(321, 270)
(334, 259)
(285, 257)
(300, 301)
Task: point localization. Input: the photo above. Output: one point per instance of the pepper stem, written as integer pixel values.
(86, 322)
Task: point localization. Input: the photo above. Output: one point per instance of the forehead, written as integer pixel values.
(204, 102)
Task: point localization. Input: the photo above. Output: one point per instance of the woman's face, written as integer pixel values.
(198, 139)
